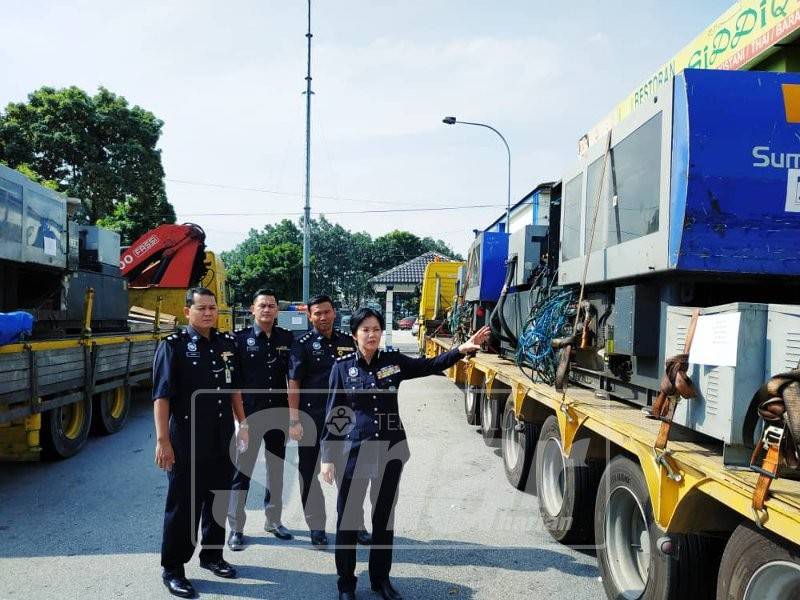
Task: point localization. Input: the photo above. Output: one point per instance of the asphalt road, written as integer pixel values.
(90, 527)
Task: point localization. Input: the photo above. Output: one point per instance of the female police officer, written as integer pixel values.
(363, 442)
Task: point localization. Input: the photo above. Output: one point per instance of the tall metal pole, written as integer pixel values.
(307, 212)
(453, 121)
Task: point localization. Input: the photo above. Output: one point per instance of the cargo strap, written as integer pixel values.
(675, 384)
(778, 404)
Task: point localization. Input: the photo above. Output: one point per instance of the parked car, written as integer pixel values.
(415, 327)
(406, 323)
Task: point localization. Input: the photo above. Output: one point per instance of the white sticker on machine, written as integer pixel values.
(793, 191)
(716, 340)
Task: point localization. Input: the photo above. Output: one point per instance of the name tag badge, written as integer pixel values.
(227, 376)
(388, 371)
(253, 348)
(192, 354)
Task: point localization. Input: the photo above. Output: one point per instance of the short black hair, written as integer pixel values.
(365, 313)
(200, 291)
(265, 292)
(319, 299)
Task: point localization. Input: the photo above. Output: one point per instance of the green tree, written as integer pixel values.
(342, 262)
(271, 257)
(96, 148)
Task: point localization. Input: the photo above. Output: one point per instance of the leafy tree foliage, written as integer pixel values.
(342, 262)
(96, 148)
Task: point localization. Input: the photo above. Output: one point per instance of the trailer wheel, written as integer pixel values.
(757, 564)
(566, 486)
(519, 445)
(65, 429)
(629, 544)
(472, 404)
(111, 409)
(490, 419)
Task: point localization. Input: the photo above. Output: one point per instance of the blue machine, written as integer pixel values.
(694, 201)
(486, 267)
(735, 197)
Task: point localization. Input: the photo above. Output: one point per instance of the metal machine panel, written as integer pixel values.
(110, 296)
(293, 321)
(526, 245)
(631, 231)
(783, 339)
(724, 392)
(735, 204)
(486, 266)
(98, 247)
(636, 316)
(33, 221)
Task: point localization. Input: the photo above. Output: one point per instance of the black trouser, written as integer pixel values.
(191, 502)
(349, 507)
(274, 455)
(310, 488)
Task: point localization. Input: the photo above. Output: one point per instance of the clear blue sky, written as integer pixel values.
(227, 80)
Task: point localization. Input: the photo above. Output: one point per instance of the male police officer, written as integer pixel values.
(310, 364)
(194, 427)
(263, 360)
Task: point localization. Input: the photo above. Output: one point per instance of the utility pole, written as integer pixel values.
(307, 212)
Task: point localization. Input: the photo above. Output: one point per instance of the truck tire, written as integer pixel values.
(566, 486)
(472, 403)
(758, 564)
(65, 429)
(628, 541)
(111, 409)
(490, 419)
(519, 445)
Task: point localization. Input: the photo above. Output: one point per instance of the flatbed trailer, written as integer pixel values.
(52, 392)
(692, 498)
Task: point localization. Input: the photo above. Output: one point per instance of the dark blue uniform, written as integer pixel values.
(312, 358)
(201, 431)
(263, 362)
(365, 439)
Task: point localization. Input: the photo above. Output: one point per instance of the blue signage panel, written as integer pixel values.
(735, 181)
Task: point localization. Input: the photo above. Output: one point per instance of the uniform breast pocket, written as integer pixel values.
(389, 383)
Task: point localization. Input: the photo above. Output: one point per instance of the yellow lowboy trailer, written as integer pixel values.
(678, 526)
(53, 392)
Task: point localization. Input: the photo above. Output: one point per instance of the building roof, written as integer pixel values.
(410, 271)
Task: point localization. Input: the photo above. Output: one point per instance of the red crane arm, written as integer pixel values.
(169, 256)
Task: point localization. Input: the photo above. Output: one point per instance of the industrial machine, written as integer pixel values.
(693, 202)
(48, 262)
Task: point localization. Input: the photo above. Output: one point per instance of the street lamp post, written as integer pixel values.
(454, 121)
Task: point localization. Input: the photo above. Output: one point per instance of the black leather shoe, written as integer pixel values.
(364, 538)
(220, 568)
(178, 585)
(236, 541)
(278, 530)
(385, 589)
(347, 596)
(319, 538)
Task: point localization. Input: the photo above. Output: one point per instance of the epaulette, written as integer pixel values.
(392, 350)
(242, 330)
(305, 337)
(229, 336)
(171, 338)
(346, 356)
